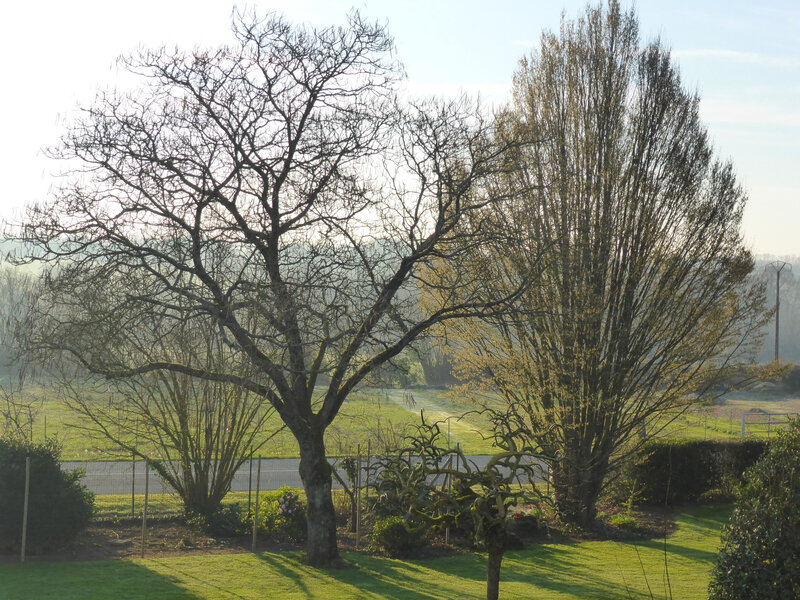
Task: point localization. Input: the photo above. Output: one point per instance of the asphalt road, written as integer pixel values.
(117, 477)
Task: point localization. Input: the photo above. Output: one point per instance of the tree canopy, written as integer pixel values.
(278, 189)
(641, 293)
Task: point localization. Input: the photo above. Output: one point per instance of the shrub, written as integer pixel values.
(226, 521)
(716, 496)
(682, 471)
(526, 524)
(285, 517)
(58, 507)
(791, 379)
(624, 522)
(397, 537)
(398, 484)
(760, 555)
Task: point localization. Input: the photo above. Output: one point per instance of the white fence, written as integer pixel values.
(764, 423)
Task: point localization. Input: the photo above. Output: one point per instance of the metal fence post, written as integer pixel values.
(144, 512)
(358, 497)
(133, 485)
(25, 507)
(255, 512)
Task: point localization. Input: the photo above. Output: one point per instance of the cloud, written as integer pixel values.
(748, 58)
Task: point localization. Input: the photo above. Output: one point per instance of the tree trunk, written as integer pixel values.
(496, 547)
(576, 487)
(316, 475)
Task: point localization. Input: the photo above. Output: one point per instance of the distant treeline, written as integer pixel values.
(15, 284)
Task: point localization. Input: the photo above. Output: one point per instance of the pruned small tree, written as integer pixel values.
(277, 188)
(642, 295)
(475, 498)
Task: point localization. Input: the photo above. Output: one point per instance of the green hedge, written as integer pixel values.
(59, 506)
(683, 470)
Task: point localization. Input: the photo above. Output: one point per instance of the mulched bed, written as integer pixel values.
(106, 540)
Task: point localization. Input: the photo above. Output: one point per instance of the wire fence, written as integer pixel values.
(130, 477)
(133, 490)
(126, 477)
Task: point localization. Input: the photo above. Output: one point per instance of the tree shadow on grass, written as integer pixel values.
(98, 580)
(465, 577)
(305, 578)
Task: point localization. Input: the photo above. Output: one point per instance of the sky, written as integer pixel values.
(742, 57)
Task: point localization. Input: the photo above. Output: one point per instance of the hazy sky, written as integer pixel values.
(742, 56)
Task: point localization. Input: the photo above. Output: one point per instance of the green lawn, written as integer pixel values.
(371, 416)
(110, 507)
(377, 417)
(548, 572)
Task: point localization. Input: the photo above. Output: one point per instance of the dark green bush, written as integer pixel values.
(791, 379)
(397, 537)
(682, 471)
(760, 555)
(227, 521)
(526, 524)
(58, 508)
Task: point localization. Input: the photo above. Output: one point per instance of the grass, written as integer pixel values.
(371, 416)
(603, 569)
(378, 417)
(118, 506)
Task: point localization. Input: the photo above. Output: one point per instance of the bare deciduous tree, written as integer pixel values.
(194, 432)
(277, 188)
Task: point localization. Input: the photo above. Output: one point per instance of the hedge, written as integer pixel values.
(59, 506)
(677, 471)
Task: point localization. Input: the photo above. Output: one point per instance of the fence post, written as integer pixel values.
(255, 512)
(358, 496)
(144, 512)
(449, 490)
(366, 485)
(249, 482)
(743, 417)
(25, 507)
(133, 485)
